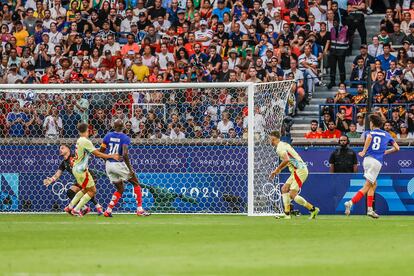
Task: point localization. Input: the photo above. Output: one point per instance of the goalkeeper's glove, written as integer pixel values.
(48, 181)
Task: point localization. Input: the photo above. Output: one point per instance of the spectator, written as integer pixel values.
(342, 123)
(176, 132)
(225, 124)
(388, 128)
(16, 121)
(386, 57)
(337, 52)
(375, 49)
(53, 124)
(352, 133)
(396, 121)
(397, 37)
(81, 107)
(403, 132)
(343, 159)
(315, 132)
(359, 72)
(331, 132)
(360, 124)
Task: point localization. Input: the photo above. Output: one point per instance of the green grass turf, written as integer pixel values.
(205, 245)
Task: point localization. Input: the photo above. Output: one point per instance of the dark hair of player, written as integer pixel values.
(275, 133)
(375, 120)
(65, 145)
(82, 127)
(118, 125)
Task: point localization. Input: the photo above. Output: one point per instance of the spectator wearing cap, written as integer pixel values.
(129, 19)
(220, 10)
(367, 58)
(403, 132)
(181, 20)
(204, 35)
(143, 23)
(386, 57)
(397, 37)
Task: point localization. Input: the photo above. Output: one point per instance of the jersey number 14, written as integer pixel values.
(113, 148)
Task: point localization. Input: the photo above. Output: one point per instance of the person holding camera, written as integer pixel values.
(343, 159)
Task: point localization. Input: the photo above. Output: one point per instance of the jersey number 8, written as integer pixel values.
(376, 143)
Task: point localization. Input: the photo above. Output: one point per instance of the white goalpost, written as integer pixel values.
(196, 147)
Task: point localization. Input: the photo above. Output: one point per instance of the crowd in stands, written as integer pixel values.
(389, 62)
(132, 41)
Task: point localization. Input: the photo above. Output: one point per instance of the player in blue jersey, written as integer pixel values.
(375, 147)
(120, 171)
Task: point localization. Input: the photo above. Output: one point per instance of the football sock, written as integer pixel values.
(76, 199)
(286, 203)
(82, 202)
(357, 197)
(138, 195)
(115, 198)
(370, 200)
(70, 193)
(301, 201)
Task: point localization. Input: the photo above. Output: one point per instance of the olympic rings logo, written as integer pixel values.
(273, 191)
(404, 163)
(60, 189)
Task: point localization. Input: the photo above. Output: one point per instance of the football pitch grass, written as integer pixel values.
(205, 245)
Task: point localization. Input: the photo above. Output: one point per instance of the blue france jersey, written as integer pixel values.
(379, 143)
(113, 143)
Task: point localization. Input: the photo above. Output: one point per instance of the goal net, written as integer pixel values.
(196, 147)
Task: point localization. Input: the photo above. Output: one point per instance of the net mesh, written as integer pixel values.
(189, 145)
(269, 108)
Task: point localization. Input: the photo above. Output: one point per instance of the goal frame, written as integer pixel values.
(98, 87)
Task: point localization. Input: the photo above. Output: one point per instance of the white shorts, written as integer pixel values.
(117, 171)
(372, 168)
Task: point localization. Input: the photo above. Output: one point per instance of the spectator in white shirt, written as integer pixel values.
(204, 35)
(225, 124)
(375, 49)
(129, 19)
(176, 132)
(161, 25)
(53, 124)
(244, 22)
(164, 57)
(112, 46)
(57, 10)
(103, 74)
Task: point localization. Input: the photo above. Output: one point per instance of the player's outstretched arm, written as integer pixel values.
(366, 145)
(395, 148)
(281, 166)
(50, 180)
(100, 154)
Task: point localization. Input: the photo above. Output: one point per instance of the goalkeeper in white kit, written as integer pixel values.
(299, 172)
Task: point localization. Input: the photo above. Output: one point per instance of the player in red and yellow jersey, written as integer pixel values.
(299, 172)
